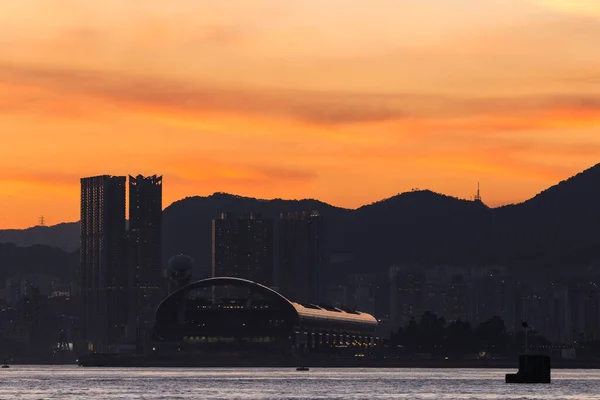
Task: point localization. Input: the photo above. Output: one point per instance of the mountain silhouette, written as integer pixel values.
(561, 220)
(35, 259)
(557, 228)
(64, 236)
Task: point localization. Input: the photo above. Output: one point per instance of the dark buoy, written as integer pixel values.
(532, 369)
(302, 369)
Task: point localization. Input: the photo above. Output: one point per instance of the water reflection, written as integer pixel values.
(41, 382)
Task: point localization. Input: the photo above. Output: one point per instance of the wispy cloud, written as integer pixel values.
(498, 113)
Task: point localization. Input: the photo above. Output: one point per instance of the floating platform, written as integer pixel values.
(532, 369)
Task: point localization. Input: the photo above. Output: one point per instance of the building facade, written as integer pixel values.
(407, 294)
(103, 276)
(455, 293)
(300, 256)
(23, 285)
(447, 290)
(145, 248)
(242, 247)
(491, 295)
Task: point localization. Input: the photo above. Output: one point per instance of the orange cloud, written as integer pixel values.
(316, 108)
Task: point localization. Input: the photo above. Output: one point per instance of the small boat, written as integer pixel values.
(302, 369)
(6, 366)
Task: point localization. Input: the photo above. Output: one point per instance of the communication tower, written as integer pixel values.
(478, 195)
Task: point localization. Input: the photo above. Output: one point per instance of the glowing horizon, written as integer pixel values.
(345, 103)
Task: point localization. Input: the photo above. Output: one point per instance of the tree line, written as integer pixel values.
(432, 335)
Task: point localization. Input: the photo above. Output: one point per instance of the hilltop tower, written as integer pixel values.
(477, 197)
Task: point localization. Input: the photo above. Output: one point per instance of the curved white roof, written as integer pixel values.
(320, 313)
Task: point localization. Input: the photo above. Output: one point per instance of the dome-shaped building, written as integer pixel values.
(233, 313)
(181, 262)
(180, 271)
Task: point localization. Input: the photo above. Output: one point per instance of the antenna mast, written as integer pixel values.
(478, 196)
(42, 221)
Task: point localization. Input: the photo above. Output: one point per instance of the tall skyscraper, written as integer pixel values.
(145, 248)
(242, 247)
(103, 276)
(299, 258)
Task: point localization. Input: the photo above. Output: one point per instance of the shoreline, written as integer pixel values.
(504, 366)
(314, 362)
(278, 361)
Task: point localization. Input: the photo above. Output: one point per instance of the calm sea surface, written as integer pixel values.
(49, 382)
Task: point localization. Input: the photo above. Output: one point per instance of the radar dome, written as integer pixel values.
(181, 263)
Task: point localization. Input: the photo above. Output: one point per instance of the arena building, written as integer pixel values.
(233, 314)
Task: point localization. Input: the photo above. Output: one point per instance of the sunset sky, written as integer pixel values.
(347, 101)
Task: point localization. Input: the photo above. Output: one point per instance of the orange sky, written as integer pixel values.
(345, 101)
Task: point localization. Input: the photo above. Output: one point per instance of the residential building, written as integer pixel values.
(242, 247)
(103, 276)
(145, 249)
(299, 258)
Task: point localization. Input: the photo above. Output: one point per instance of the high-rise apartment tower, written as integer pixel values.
(145, 248)
(242, 247)
(299, 256)
(103, 276)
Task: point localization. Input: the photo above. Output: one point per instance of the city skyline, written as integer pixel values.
(118, 283)
(296, 99)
